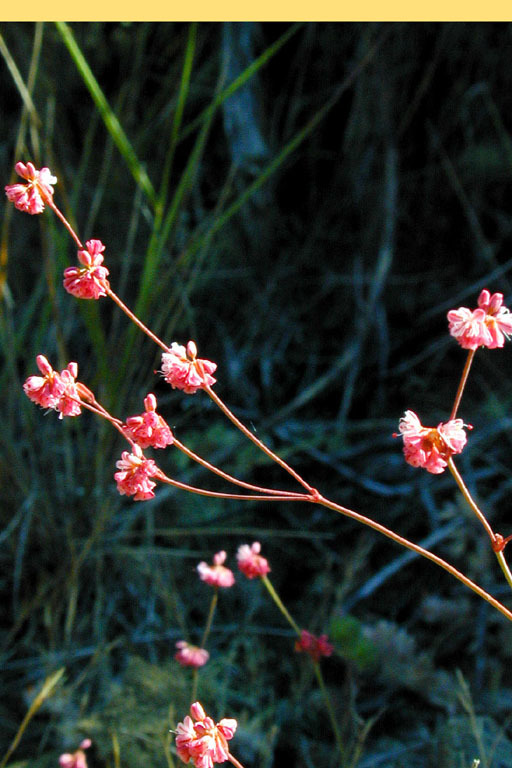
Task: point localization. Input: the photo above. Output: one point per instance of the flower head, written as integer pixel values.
(135, 471)
(190, 655)
(148, 429)
(32, 196)
(431, 447)
(487, 326)
(76, 759)
(44, 390)
(183, 370)
(250, 562)
(315, 646)
(68, 405)
(202, 741)
(89, 281)
(216, 575)
(54, 390)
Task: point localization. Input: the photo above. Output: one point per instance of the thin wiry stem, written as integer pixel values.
(419, 550)
(63, 219)
(330, 710)
(234, 761)
(481, 517)
(277, 600)
(462, 383)
(238, 424)
(504, 567)
(206, 634)
(472, 503)
(225, 475)
(218, 495)
(135, 319)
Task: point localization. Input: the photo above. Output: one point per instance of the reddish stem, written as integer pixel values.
(472, 503)
(238, 424)
(218, 495)
(497, 541)
(235, 762)
(66, 223)
(462, 383)
(135, 319)
(416, 548)
(100, 411)
(228, 477)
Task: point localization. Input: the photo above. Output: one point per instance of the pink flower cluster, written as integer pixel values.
(190, 655)
(148, 429)
(431, 447)
(31, 197)
(133, 477)
(183, 370)
(76, 759)
(250, 562)
(486, 326)
(202, 741)
(315, 646)
(216, 575)
(54, 390)
(89, 281)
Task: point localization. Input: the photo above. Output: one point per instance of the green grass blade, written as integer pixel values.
(180, 107)
(29, 115)
(46, 690)
(265, 57)
(112, 123)
(18, 79)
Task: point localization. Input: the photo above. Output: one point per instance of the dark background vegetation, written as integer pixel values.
(324, 218)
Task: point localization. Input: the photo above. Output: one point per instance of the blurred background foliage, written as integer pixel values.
(306, 202)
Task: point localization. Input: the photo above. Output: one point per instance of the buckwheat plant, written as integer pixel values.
(199, 739)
